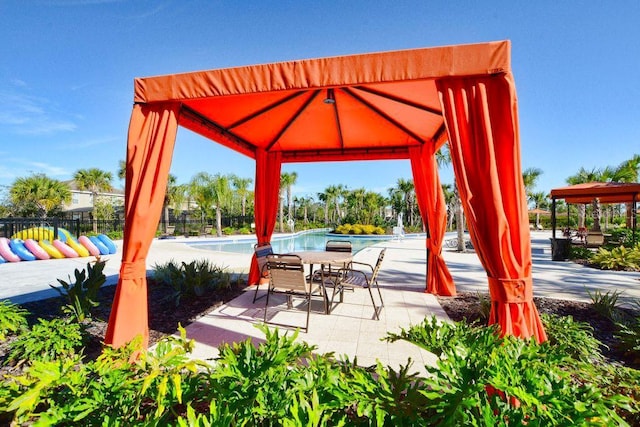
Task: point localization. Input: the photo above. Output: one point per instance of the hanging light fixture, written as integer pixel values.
(330, 99)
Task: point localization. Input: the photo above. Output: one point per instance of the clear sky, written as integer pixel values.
(67, 70)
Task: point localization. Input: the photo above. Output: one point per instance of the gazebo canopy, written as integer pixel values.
(359, 107)
(606, 192)
(391, 105)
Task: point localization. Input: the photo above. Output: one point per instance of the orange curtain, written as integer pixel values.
(482, 120)
(266, 192)
(152, 134)
(434, 212)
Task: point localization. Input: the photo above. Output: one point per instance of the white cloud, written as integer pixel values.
(48, 169)
(90, 143)
(28, 115)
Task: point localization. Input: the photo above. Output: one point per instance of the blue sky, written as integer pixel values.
(67, 70)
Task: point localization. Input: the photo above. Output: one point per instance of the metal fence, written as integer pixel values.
(37, 228)
(182, 225)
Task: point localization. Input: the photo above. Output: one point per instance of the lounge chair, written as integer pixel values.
(286, 276)
(262, 251)
(367, 278)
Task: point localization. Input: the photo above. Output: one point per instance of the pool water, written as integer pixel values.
(313, 241)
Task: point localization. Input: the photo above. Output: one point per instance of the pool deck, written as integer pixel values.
(349, 329)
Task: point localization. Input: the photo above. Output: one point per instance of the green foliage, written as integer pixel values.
(575, 338)
(358, 229)
(618, 258)
(46, 341)
(625, 236)
(580, 252)
(628, 334)
(193, 279)
(13, 319)
(81, 294)
(482, 379)
(484, 307)
(115, 235)
(605, 303)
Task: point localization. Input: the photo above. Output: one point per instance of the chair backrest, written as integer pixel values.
(378, 264)
(286, 273)
(338, 246)
(262, 251)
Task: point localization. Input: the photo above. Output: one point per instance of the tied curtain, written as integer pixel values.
(434, 211)
(152, 135)
(267, 189)
(481, 118)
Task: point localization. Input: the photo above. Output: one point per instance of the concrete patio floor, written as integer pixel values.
(350, 329)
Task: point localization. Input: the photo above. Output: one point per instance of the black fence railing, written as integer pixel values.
(182, 225)
(37, 228)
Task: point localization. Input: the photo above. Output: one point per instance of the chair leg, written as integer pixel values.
(265, 306)
(255, 294)
(376, 309)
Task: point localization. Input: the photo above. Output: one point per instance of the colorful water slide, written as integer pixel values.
(36, 249)
(2, 260)
(50, 249)
(18, 248)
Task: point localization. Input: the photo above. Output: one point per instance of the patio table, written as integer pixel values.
(323, 258)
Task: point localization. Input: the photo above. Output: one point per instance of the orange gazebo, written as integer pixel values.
(390, 105)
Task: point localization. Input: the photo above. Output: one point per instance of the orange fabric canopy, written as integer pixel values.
(390, 105)
(606, 192)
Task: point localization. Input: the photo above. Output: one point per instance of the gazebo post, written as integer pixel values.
(553, 217)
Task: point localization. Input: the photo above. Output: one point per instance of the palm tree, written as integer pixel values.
(443, 157)
(222, 197)
(168, 195)
(407, 189)
(540, 201)
(630, 169)
(96, 181)
(39, 194)
(286, 180)
(324, 198)
(241, 186)
(200, 191)
(530, 177)
(122, 169)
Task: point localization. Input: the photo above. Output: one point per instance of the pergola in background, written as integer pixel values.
(391, 105)
(605, 192)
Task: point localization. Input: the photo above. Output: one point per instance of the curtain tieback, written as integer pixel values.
(133, 270)
(511, 290)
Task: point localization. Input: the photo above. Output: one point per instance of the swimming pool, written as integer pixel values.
(308, 241)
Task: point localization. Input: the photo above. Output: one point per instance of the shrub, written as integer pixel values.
(576, 338)
(81, 295)
(358, 229)
(620, 258)
(47, 340)
(192, 279)
(605, 304)
(580, 252)
(13, 319)
(482, 379)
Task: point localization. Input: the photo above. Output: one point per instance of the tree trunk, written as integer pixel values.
(94, 218)
(219, 222)
(596, 214)
(281, 213)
